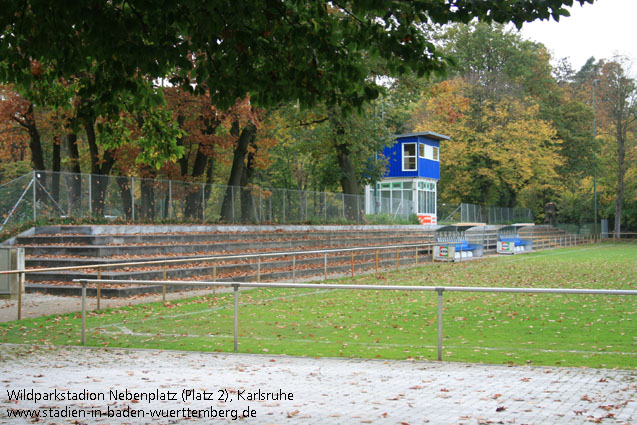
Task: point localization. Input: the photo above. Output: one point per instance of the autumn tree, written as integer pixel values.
(497, 158)
(619, 112)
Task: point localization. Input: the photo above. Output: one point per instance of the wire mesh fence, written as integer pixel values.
(46, 194)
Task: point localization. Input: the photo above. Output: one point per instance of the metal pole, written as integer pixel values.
(259, 268)
(20, 285)
(294, 267)
(34, 199)
(376, 262)
(397, 259)
(352, 263)
(99, 287)
(236, 317)
(83, 312)
(440, 291)
(163, 289)
(325, 266)
(214, 279)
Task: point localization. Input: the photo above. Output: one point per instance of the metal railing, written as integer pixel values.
(439, 289)
(545, 243)
(217, 258)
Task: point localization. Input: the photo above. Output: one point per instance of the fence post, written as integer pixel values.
(236, 317)
(377, 263)
(99, 287)
(352, 263)
(83, 312)
(440, 291)
(294, 267)
(20, 289)
(163, 289)
(214, 279)
(325, 266)
(34, 198)
(259, 268)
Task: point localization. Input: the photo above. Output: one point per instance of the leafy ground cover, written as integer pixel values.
(566, 330)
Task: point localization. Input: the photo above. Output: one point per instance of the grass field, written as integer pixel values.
(565, 330)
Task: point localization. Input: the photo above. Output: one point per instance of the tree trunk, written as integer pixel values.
(246, 192)
(99, 167)
(37, 157)
(236, 172)
(193, 200)
(621, 173)
(125, 191)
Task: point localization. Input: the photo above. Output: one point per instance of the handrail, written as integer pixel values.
(439, 289)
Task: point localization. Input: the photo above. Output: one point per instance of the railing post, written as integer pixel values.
(214, 279)
(236, 317)
(83, 339)
(376, 262)
(163, 288)
(259, 268)
(325, 266)
(352, 252)
(440, 291)
(294, 267)
(99, 288)
(20, 289)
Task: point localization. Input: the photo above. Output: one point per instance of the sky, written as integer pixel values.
(601, 29)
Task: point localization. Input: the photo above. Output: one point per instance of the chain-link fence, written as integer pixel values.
(45, 194)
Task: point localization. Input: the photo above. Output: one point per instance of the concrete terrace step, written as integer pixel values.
(153, 250)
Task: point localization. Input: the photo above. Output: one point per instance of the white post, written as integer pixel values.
(34, 198)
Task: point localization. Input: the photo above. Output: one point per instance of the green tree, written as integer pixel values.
(274, 50)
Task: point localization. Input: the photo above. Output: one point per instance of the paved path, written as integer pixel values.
(317, 391)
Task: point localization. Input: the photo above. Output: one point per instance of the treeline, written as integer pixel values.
(522, 130)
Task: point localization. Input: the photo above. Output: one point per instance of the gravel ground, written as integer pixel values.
(37, 305)
(109, 386)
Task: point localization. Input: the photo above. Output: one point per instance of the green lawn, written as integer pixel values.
(566, 330)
